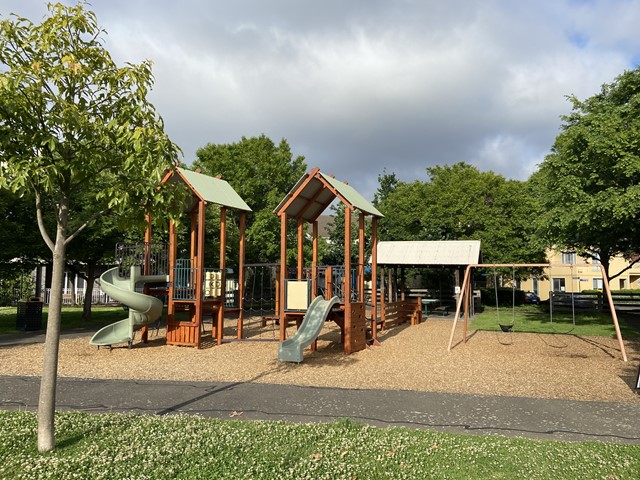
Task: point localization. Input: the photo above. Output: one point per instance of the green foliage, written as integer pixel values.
(588, 188)
(461, 203)
(262, 173)
(72, 121)
(22, 247)
(15, 285)
(180, 446)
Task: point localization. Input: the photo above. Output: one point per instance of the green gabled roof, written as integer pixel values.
(315, 191)
(352, 196)
(212, 190)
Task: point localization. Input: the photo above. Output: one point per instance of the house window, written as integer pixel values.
(623, 283)
(569, 257)
(558, 285)
(534, 286)
(597, 284)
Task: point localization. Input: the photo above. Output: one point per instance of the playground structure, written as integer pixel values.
(195, 290)
(466, 297)
(306, 201)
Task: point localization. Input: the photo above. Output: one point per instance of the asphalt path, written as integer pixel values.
(535, 418)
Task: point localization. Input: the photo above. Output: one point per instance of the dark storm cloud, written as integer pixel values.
(360, 86)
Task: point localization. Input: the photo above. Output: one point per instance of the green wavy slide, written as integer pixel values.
(143, 309)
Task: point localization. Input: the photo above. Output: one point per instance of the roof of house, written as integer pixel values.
(429, 253)
(315, 191)
(326, 224)
(210, 189)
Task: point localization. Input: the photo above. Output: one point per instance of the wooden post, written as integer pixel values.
(374, 277)
(605, 284)
(173, 248)
(223, 274)
(243, 221)
(383, 299)
(361, 257)
(283, 275)
(328, 283)
(146, 270)
(347, 279)
(147, 247)
(199, 271)
(314, 261)
(459, 304)
(300, 248)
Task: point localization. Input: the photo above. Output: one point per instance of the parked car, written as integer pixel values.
(530, 297)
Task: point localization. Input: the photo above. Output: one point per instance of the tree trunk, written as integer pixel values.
(91, 276)
(47, 400)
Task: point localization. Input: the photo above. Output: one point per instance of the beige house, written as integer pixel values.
(580, 277)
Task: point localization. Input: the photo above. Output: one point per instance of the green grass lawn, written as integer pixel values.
(71, 317)
(536, 319)
(125, 446)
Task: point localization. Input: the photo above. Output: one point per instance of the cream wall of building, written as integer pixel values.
(580, 277)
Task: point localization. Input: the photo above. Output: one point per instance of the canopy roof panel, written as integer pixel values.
(429, 253)
(315, 191)
(210, 189)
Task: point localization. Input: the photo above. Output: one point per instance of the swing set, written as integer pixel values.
(507, 327)
(466, 297)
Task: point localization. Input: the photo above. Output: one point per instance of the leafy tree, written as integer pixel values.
(461, 203)
(262, 173)
(22, 247)
(72, 121)
(387, 183)
(588, 187)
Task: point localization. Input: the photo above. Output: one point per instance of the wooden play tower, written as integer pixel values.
(306, 201)
(197, 291)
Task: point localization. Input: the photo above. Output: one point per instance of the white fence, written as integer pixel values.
(77, 298)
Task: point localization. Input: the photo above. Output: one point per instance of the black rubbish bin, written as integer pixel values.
(29, 315)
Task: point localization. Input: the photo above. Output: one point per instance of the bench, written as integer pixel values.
(396, 313)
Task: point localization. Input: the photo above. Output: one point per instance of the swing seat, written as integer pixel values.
(505, 328)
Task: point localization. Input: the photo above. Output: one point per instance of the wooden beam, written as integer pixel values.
(223, 274)
(148, 234)
(300, 248)
(200, 270)
(374, 277)
(347, 278)
(294, 195)
(173, 247)
(283, 274)
(361, 257)
(243, 222)
(314, 260)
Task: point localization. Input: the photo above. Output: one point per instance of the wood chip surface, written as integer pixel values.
(409, 358)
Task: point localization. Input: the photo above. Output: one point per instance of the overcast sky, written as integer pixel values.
(360, 86)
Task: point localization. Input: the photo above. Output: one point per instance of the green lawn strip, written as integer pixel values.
(537, 319)
(71, 317)
(127, 446)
